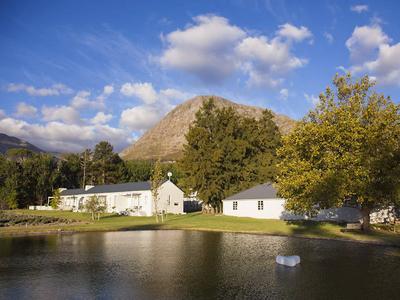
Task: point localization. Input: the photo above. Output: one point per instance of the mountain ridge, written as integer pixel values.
(9, 142)
(166, 139)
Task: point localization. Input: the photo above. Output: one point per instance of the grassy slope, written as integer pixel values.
(197, 221)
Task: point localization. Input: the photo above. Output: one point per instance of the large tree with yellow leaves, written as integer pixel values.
(346, 149)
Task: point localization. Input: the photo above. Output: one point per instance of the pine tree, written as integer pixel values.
(105, 164)
(226, 153)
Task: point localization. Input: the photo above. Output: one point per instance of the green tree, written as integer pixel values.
(56, 200)
(347, 149)
(19, 154)
(95, 205)
(45, 168)
(139, 170)
(157, 180)
(106, 166)
(85, 164)
(69, 173)
(226, 153)
(8, 183)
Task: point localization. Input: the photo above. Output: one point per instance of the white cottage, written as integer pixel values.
(262, 202)
(133, 198)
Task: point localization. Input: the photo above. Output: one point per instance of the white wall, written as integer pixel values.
(171, 198)
(139, 205)
(274, 209)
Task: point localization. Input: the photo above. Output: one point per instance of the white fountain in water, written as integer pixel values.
(290, 261)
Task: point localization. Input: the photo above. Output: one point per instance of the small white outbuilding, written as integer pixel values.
(263, 202)
(260, 201)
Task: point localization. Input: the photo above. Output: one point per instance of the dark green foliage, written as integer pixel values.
(28, 178)
(226, 153)
(69, 173)
(8, 183)
(140, 170)
(106, 166)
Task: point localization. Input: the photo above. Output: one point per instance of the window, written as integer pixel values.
(260, 205)
(169, 200)
(176, 203)
(234, 205)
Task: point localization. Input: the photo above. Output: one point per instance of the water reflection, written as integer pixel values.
(192, 265)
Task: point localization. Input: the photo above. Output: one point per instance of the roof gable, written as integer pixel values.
(70, 192)
(121, 187)
(261, 191)
(110, 188)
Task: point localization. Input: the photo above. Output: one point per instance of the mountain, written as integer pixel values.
(8, 142)
(165, 140)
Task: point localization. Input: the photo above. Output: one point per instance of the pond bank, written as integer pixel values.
(197, 222)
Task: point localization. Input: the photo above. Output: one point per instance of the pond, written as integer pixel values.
(193, 265)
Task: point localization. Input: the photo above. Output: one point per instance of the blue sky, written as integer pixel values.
(77, 72)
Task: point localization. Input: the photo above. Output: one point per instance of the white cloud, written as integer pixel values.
(108, 90)
(294, 33)
(204, 48)
(140, 118)
(143, 91)
(314, 100)
(155, 105)
(174, 95)
(386, 67)
(329, 37)
(343, 69)
(372, 52)
(359, 8)
(25, 110)
(61, 137)
(54, 90)
(212, 49)
(63, 113)
(284, 94)
(2, 114)
(82, 100)
(266, 61)
(364, 41)
(101, 118)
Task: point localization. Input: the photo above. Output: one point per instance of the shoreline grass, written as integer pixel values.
(198, 221)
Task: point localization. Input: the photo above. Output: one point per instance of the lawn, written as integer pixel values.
(198, 221)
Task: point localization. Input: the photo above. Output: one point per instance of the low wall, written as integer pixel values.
(342, 214)
(40, 207)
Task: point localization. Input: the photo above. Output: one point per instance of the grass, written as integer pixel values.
(198, 221)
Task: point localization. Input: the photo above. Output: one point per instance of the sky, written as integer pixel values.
(73, 73)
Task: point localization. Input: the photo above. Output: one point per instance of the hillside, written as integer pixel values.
(9, 142)
(165, 140)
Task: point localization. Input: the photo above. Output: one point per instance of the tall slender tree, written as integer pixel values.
(157, 179)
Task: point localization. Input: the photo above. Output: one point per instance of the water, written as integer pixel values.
(193, 265)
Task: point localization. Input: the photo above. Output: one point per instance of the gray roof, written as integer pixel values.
(72, 192)
(261, 191)
(111, 188)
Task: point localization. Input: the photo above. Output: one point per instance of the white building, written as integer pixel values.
(133, 198)
(262, 202)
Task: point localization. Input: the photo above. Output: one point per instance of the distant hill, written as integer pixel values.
(166, 139)
(9, 142)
